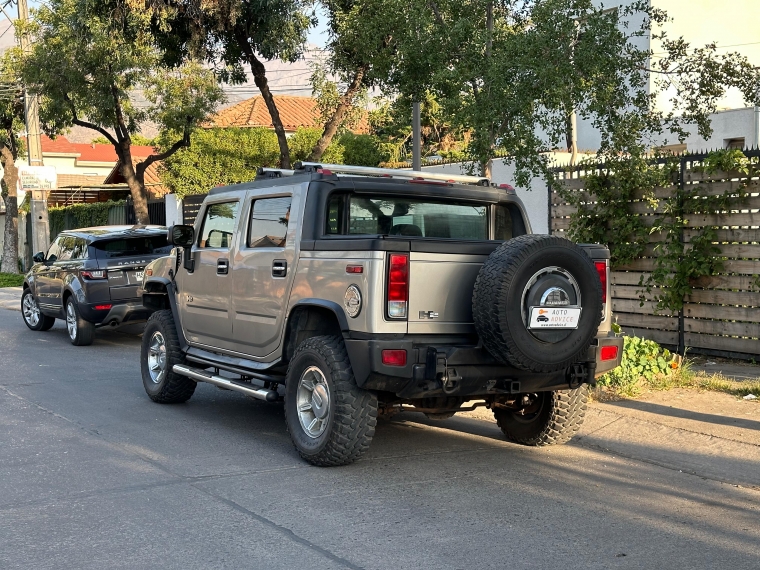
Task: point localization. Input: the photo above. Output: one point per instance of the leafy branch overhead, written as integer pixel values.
(513, 72)
(97, 65)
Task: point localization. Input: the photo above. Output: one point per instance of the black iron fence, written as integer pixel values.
(191, 205)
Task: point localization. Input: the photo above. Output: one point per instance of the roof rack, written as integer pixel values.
(389, 173)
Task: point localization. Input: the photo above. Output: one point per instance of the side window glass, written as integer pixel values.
(335, 214)
(67, 244)
(503, 224)
(269, 222)
(218, 225)
(54, 251)
(80, 249)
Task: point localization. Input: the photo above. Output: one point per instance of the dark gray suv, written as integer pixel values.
(90, 277)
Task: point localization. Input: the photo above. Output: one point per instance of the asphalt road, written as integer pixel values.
(95, 475)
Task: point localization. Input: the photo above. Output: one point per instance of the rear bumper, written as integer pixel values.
(121, 312)
(443, 369)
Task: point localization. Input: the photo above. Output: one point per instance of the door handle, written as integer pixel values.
(222, 267)
(279, 268)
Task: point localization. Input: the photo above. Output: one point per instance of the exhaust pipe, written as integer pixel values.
(203, 376)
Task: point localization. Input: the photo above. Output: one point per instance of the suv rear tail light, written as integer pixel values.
(394, 357)
(103, 307)
(398, 285)
(95, 274)
(609, 352)
(601, 269)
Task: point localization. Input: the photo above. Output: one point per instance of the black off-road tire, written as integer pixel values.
(85, 330)
(558, 420)
(498, 297)
(44, 323)
(352, 414)
(172, 388)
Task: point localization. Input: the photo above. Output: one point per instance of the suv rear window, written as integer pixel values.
(125, 247)
(394, 215)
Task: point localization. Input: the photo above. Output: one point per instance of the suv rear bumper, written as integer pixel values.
(120, 313)
(448, 369)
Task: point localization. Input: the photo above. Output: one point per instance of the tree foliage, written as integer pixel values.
(96, 64)
(234, 33)
(512, 72)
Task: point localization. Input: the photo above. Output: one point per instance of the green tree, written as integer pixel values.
(234, 33)
(11, 148)
(512, 73)
(361, 54)
(96, 64)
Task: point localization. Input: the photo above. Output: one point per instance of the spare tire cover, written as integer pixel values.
(529, 296)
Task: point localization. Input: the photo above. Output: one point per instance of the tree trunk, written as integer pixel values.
(332, 125)
(260, 79)
(136, 184)
(9, 261)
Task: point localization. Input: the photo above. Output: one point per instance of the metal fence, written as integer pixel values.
(191, 205)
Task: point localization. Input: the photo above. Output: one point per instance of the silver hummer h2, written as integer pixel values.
(353, 293)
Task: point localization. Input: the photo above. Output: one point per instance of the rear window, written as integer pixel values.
(415, 217)
(126, 247)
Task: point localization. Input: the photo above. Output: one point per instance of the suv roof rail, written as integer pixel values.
(262, 172)
(390, 173)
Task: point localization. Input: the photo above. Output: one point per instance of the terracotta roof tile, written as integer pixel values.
(294, 112)
(96, 152)
(77, 180)
(60, 145)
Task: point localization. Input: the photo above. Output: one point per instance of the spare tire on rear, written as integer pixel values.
(529, 288)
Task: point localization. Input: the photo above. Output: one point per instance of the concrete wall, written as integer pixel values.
(732, 124)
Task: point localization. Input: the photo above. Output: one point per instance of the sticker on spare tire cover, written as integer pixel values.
(554, 317)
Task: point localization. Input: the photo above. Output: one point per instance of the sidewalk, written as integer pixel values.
(732, 369)
(10, 298)
(708, 434)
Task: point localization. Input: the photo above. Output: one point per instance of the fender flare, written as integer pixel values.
(332, 306)
(171, 294)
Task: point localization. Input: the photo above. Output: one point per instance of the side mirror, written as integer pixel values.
(181, 235)
(39, 257)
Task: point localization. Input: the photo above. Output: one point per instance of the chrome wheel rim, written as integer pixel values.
(157, 357)
(71, 320)
(313, 402)
(31, 310)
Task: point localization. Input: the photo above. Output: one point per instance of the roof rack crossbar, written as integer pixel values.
(392, 172)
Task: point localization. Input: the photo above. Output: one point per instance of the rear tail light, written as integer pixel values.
(398, 285)
(394, 357)
(601, 269)
(95, 274)
(103, 307)
(609, 352)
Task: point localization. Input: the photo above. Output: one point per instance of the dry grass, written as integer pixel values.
(683, 377)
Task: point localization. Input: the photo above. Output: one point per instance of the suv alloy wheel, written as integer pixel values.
(331, 421)
(80, 331)
(33, 317)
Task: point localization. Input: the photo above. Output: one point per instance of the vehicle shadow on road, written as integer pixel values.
(687, 414)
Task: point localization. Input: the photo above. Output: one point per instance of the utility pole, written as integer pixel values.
(39, 210)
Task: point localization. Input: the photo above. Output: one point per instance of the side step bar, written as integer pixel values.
(204, 376)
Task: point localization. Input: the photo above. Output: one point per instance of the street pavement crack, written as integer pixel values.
(286, 532)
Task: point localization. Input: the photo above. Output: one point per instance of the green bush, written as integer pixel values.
(361, 150)
(218, 157)
(11, 280)
(303, 140)
(643, 361)
(79, 216)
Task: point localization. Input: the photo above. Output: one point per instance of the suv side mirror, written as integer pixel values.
(181, 235)
(39, 257)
